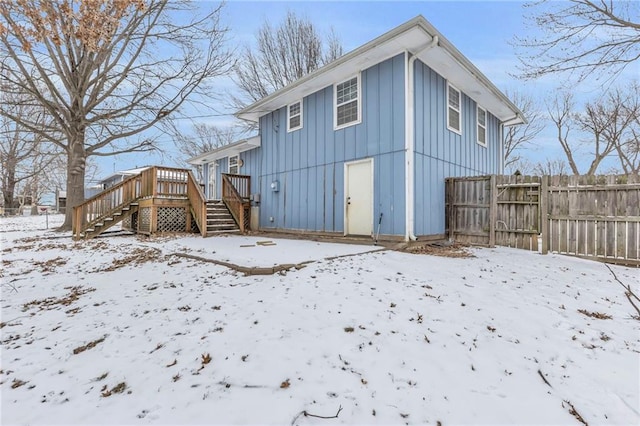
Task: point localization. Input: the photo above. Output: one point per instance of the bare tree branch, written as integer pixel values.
(560, 110)
(282, 55)
(581, 37)
(24, 155)
(520, 137)
(107, 71)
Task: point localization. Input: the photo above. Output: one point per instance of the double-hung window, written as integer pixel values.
(234, 165)
(482, 126)
(454, 118)
(294, 116)
(347, 106)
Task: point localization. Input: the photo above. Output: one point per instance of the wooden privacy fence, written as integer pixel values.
(590, 216)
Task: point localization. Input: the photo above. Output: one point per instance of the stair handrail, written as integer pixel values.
(233, 200)
(109, 201)
(198, 203)
(148, 183)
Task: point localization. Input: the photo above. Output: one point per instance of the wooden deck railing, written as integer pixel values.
(163, 182)
(235, 194)
(96, 208)
(198, 203)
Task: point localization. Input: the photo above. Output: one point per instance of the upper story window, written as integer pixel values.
(347, 106)
(294, 116)
(482, 126)
(234, 165)
(454, 121)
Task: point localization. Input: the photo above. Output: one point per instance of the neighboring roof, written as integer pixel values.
(123, 173)
(226, 151)
(412, 36)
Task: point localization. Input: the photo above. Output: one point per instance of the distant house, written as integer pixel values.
(369, 139)
(111, 180)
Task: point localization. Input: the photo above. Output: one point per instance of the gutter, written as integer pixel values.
(409, 139)
(517, 119)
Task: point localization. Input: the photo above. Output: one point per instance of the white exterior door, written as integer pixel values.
(212, 181)
(359, 198)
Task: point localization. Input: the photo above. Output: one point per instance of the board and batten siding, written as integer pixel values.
(441, 153)
(308, 164)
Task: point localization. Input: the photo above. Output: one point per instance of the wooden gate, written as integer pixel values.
(494, 210)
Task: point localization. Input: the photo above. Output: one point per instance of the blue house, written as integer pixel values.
(369, 137)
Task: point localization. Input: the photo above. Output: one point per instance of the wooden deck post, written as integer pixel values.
(154, 179)
(543, 208)
(74, 223)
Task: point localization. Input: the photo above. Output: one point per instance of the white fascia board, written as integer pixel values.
(226, 151)
(408, 36)
(411, 36)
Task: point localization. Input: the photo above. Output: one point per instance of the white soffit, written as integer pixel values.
(439, 60)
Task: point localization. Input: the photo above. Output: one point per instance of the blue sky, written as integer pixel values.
(481, 30)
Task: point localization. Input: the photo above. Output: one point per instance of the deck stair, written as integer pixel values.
(165, 199)
(219, 219)
(109, 220)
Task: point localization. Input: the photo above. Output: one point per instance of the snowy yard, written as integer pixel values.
(122, 331)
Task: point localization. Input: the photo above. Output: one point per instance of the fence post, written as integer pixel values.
(493, 210)
(448, 208)
(543, 208)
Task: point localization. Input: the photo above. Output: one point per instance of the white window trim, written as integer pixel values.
(237, 164)
(358, 99)
(481, 143)
(289, 117)
(459, 110)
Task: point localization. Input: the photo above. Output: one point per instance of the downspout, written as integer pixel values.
(501, 139)
(409, 139)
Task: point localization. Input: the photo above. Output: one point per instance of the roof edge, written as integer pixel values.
(328, 67)
(418, 21)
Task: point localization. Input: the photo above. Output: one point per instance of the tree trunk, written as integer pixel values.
(76, 162)
(9, 189)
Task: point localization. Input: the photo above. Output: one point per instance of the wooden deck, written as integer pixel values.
(159, 199)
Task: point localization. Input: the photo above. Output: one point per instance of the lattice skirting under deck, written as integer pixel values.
(130, 223)
(144, 219)
(172, 219)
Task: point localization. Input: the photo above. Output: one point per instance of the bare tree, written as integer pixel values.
(24, 155)
(598, 121)
(629, 152)
(204, 138)
(519, 137)
(551, 167)
(581, 37)
(107, 71)
(625, 129)
(560, 109)
(608, 126)
(282, 55)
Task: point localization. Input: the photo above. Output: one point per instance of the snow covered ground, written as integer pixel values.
(122, 331)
